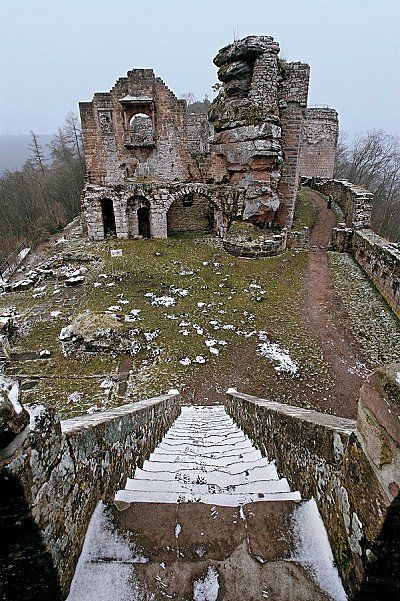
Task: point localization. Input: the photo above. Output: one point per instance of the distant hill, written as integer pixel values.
(14, 150)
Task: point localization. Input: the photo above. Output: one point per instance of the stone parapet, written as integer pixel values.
(352, 469)
(354, 201)
(55, 473)
(380, 259)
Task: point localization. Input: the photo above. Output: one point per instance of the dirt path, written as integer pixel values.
(328, 316)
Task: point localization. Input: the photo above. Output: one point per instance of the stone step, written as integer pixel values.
(216, 459)
(258, 486)
(126, 497)
(206, 450)
(214, 476)
(229, 467)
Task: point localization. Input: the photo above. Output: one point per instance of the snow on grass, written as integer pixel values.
(149, 336)
(75, 397)
(179, 291)
(207, 588)
(161, 301)
(313, 551)
(272, 351)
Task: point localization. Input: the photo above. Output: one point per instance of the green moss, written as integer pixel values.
(226, 286)
(305, 212)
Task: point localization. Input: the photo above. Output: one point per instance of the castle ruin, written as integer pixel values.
(155, 169)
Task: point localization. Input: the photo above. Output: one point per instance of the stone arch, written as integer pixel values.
(190, 209)
(138, 208)
(141, 130)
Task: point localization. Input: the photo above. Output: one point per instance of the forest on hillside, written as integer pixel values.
(39, 199)
(373, 161)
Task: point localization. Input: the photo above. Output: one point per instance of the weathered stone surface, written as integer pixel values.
(61, 472)
(98, 332)
(319, 138)
(380, 260)
(351, 469)
(354, 201)
(258, 115)
(13, 417)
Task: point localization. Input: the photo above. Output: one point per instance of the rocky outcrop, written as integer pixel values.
(92, 332)
(257, 118)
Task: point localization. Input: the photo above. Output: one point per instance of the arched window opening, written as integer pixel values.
(141, 130)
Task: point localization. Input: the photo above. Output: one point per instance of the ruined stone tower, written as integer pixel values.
(155, 169)
(319, 140)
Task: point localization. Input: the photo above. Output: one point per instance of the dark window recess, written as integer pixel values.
(188, 200)
(144, 222)
(107, 211)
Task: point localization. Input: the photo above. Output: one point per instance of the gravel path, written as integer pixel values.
(328, 317)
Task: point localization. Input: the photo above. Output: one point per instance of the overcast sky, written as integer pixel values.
(54, 53)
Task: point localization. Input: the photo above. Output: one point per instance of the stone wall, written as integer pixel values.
(257, 117)
(319, 138)
(192, 213)
(380, 260)
(199, 134)
(226, 202)
(352, 469)
(354, 201)
(115, 147)
(55, 473)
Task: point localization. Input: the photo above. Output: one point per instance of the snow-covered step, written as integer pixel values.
(229, 467)
(215, 476)
(126, 497)
(221, 460)
(204, 457)
(261, 486)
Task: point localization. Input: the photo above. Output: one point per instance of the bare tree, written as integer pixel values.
(43, 196)
(373, 161)
(37, 156)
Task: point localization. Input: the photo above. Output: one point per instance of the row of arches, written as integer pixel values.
(187, 211)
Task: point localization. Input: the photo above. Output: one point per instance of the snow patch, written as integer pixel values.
(111, 580)
(206, 589)
(161, 301)
(271, 350)
(11, 389)
(313, 551)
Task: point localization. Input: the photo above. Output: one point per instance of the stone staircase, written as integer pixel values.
(205, 458)
(206, 518)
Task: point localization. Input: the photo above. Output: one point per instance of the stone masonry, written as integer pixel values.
(246, 149)
(53, 474)
(352, 470)
(319, 138)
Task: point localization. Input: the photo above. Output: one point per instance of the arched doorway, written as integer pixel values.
(107, 213)
(143, 215)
